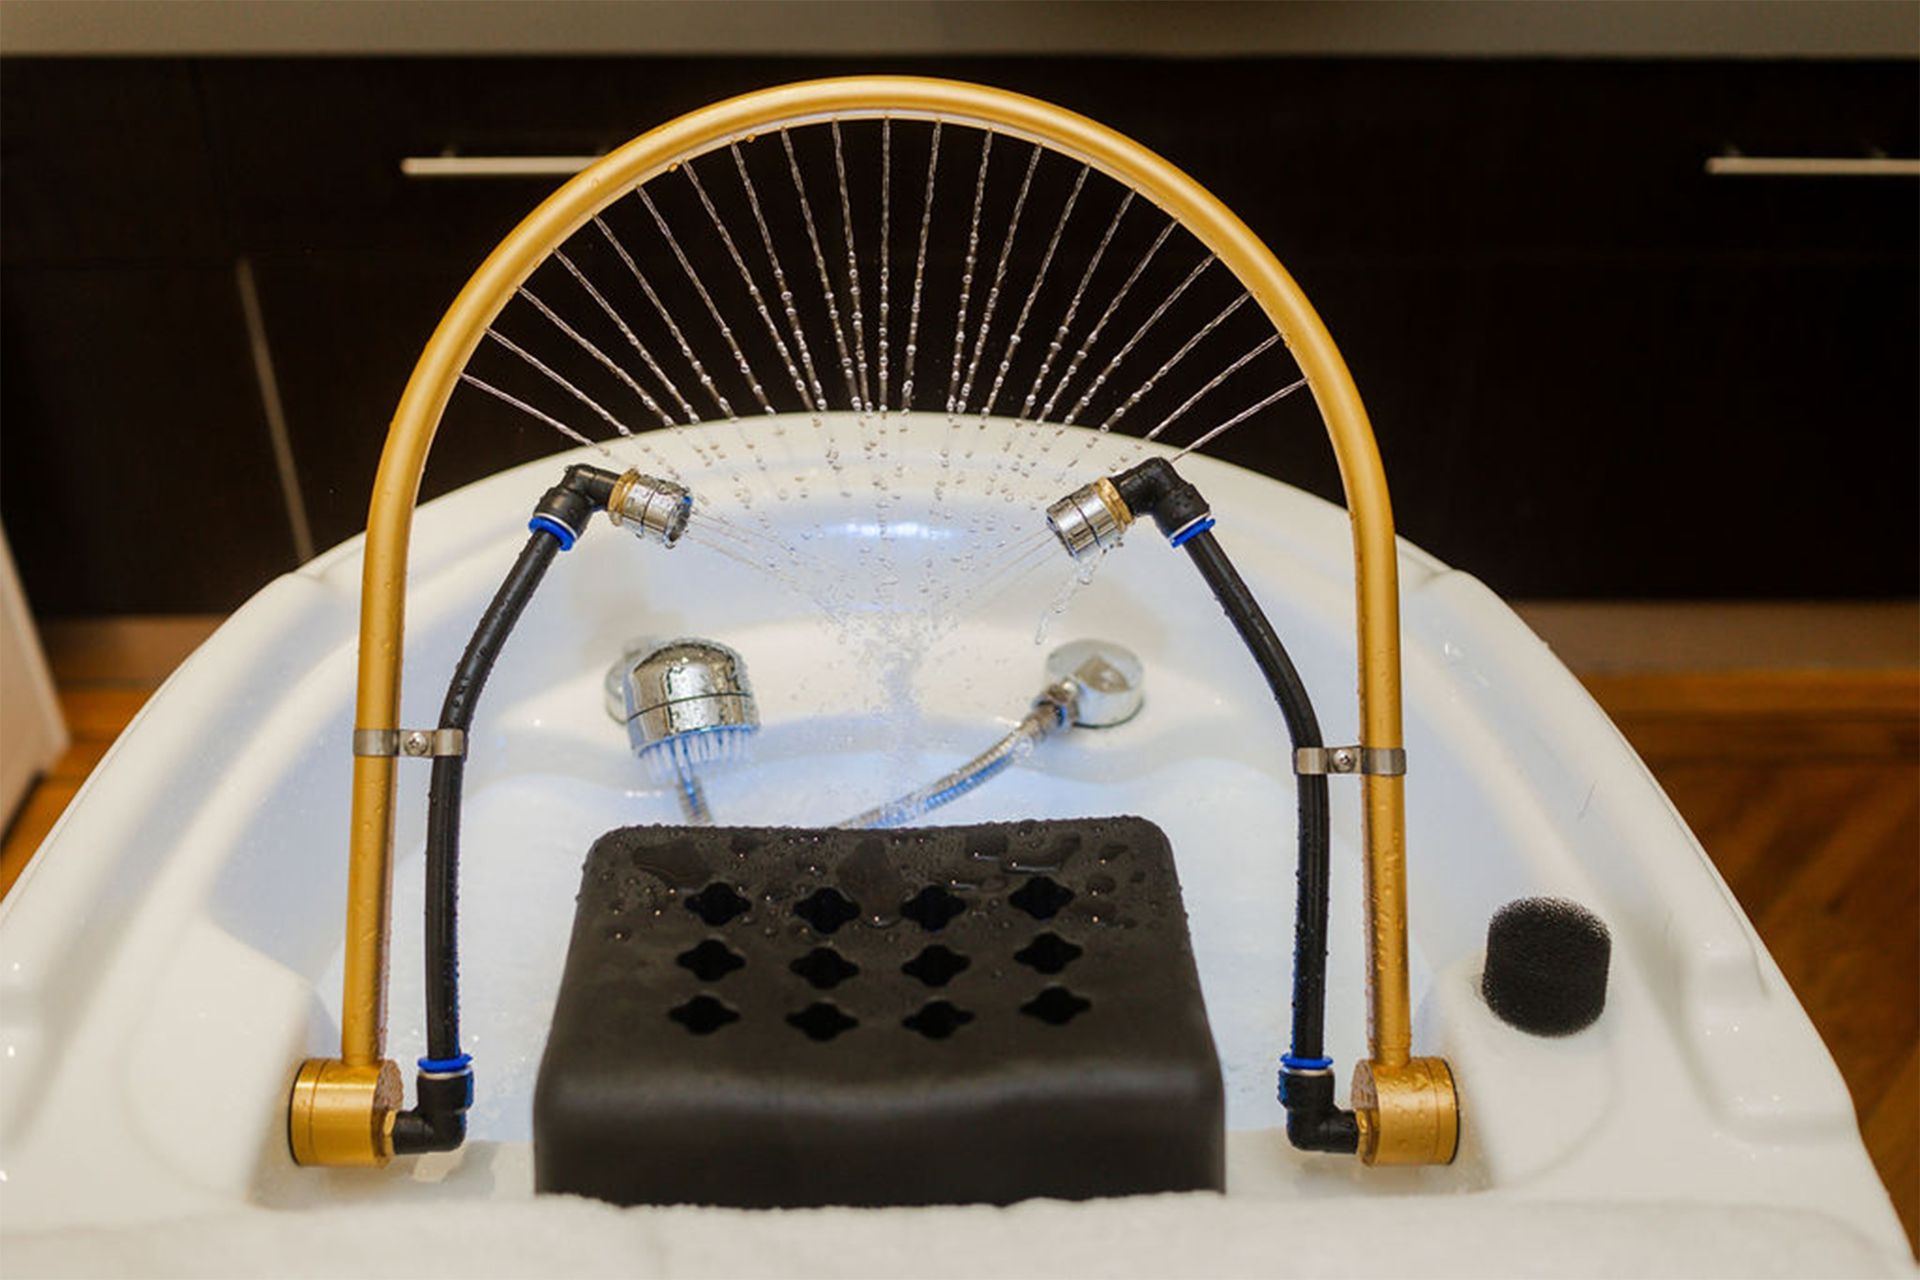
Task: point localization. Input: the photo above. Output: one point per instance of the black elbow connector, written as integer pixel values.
(571, 503)
(1314, 1123)
(1155, 488)
(438, 1121)
(593, 483)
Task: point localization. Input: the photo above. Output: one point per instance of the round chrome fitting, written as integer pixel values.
(1107, 681)
(686, 687)
(651, 507)
(1089, 519)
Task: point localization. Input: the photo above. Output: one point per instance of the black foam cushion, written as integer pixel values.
(779, 1017)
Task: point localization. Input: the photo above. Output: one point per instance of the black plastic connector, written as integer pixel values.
(1154, 488)
(438, 1121)
(582, 491)
(1314, 1122)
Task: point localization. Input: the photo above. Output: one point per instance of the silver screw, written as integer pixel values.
(1344, 760)
(415, 743)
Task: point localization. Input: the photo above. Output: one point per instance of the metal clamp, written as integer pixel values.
(1384, 762)
(418, 744)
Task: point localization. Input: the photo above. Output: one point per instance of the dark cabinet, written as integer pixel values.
(1594, 369)
(137, 474)
(346, 329)
(106, 162)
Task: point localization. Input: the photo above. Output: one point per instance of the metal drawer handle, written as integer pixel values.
(494, 166)
(1811, 167)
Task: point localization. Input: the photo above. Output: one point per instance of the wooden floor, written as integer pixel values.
(1802, 783)
(1804, 787)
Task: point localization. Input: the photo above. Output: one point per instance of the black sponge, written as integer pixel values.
(1546, 966)
(761, 1017)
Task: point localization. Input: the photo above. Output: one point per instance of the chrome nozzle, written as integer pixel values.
(1091, 518)
(650, 507)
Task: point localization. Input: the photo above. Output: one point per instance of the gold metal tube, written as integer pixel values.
(1389, 1023)
(363, 1015)
(389, 521)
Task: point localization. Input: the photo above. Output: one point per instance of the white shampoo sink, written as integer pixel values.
(174, 950)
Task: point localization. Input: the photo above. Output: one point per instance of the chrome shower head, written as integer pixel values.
(689, 706)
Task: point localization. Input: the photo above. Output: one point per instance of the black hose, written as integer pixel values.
(444, 1085)
(1314, 1122)
(1310, 910)
(443, 797)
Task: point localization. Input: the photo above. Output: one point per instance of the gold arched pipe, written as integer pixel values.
(341, 1107)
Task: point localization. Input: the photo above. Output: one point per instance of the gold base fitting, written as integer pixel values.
(343, 1115)
(1408, 1114)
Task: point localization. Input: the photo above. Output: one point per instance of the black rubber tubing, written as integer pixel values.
(1313, 870)
(444, 1085)
(443, 797)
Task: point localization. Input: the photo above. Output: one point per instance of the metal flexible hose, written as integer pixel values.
(1046, 716)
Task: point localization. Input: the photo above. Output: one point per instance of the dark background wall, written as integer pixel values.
(1595, 370)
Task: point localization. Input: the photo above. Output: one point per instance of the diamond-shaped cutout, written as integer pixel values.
(936, 966)
(824, 968)
(711, 961)
(937, 1020)
(717, 903)
(703, 1015)
(826, 909)
(1041, 897)
(933, 908)
(1056, 1006)
(822, 1020)
(1049, 953)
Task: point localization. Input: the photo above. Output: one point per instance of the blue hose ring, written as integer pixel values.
(1193, 530)
(446, 1066)
(547, 524)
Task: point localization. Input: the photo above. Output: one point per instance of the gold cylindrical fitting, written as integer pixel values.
(342, 1115)
(1408, 1112)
